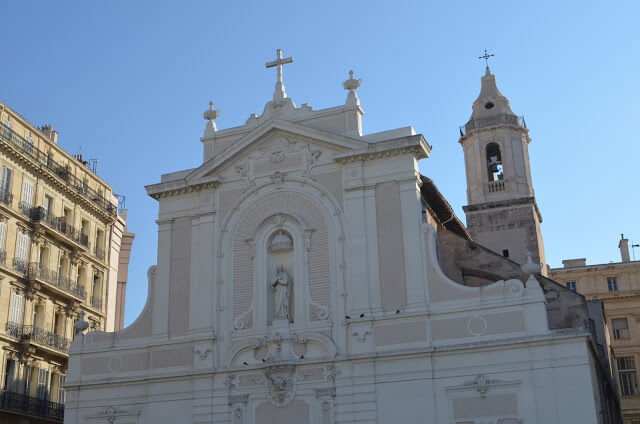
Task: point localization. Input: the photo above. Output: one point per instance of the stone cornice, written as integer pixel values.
(531, 200)
(478, 131)
(175, 188)
(415, 144)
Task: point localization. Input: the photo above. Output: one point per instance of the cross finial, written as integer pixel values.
(279, 94)
(486, 57)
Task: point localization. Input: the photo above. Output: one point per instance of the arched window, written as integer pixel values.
(494, 162)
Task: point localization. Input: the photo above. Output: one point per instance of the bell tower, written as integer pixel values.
(502, 213)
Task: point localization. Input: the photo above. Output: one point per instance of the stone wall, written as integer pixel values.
(471, 264)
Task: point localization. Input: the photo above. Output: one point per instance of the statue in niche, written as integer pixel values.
(282, 285)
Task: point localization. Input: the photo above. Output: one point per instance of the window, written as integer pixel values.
(627, 375)
(505, 253)
(5, 185)
(10, 375)
(571, 285)
(15, 309)
(28, 146)
(612, 283)
(620, 328)
(3, 235)
(27, 193)
(44, 381)
(48, 203)
(62, 393)
(22, 249)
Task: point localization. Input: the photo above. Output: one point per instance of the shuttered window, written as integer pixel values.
(44, 380)
(27, 193)
(5, 180)
(3, 235)
(10, 375)
(62, 393)
(15, 309)
(22, 249)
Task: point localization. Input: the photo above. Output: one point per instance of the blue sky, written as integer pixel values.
(128, 82)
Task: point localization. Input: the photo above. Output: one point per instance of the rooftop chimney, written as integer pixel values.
(623, 245)
(51, 134)
(574, 262)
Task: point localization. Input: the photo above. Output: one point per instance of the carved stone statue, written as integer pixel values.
(282, 285)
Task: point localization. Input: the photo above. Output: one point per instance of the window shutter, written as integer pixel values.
(3, 234)
(619, 324)
(15, 310)
(43, 379)
(27, 193)
(5, 180)
(23, 247)
(61, 392)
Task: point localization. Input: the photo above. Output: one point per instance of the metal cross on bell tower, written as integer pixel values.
(279, 93)
(486, 57)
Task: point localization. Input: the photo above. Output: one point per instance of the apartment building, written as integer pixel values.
(617, 285)
(60, 242)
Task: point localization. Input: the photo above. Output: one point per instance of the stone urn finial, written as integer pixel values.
(530, 267)
(211, 115)
(352, 85)
(81, 325)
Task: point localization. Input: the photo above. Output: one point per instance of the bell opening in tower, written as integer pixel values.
(494, 162)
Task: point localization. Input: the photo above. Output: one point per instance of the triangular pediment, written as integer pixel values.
(272, 138)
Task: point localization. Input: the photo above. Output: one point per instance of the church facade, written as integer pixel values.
(308, 273)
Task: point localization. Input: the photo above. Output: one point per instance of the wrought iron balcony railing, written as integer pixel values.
(100, 253)
(14, 329)
(46, 338)
(27, 333)
(25, 209)
(96, 302)
(20, 265)
(6, 197)
(44, 408)
(61, 171)
(51, 277)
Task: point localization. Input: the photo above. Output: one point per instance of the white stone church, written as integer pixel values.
(308, 273)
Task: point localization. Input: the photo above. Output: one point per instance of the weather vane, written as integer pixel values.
(486, 57)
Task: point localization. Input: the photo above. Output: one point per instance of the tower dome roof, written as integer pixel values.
(490, 101)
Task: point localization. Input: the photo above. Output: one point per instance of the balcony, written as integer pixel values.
(60, 171)
(20, 266)
(492, 121)
(495, 186)
(25, 209)
(96, 302)
(6, 197)
(27, 405)
(40, 272)
(41, 215)
(45, 338)
(99, 253)
(30, 333)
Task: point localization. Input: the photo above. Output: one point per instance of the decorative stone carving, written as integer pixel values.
(241, 399)
(281, 284)
(246, 172)
(202, 351)
(278, 179)
(481, 383)
(230, 381)
(361, 335)
(330, 372)
(318, 312)
(244, 321)
(325, 392)
(281, 242)
(281, 384)
(311, 157)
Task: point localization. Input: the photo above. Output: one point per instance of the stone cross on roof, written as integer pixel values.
(279, 93)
